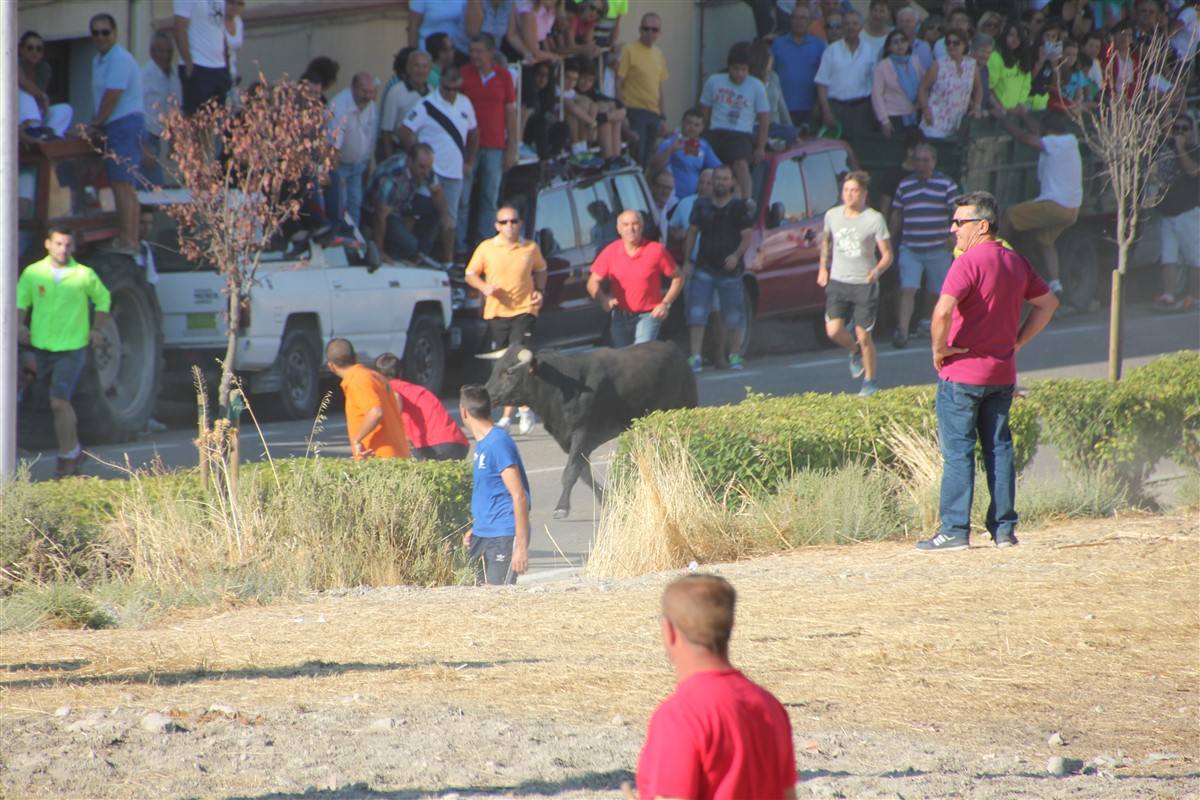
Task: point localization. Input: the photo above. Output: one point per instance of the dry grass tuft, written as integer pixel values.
(660, 516)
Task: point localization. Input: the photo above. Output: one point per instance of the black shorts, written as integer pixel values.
(854, 302)
(206, 83)
(447, 451)
(503, 331)
(731, 146)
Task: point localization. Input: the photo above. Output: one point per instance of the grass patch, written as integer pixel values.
(95, 553)
(855, 503)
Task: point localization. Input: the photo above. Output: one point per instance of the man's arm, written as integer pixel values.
(512, 149)
(885, 260)
(764, 125)
(447, 223)
(381, 216)
(414, 28)
(673, 291)
(1027, 138)
(1043, 311)
(516, 490)
(406, 137)
(1189, 165)
(688, 246)
(23, 326)
(108, 102)
(658, 161)
(939, 330)
(181, 42)
(472, 150)
(895, 219)
(596, 290)
(99, 319)
(473, 19)
(826, 254)
(370, 421)
(823, 104)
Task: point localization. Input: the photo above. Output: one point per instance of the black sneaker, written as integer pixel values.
(1005, 539)
(899, 339)
(943, 541)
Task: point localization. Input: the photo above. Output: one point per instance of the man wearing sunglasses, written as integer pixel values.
(510, 273)
(117, 103)
(641, 74)
(977, 332)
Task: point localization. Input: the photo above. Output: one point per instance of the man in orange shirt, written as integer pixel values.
(372, 415)
(510, 273)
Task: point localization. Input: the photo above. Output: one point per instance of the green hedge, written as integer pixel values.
(53, 530)
(1125, 428)
(761, 442)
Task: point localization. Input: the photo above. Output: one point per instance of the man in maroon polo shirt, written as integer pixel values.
(489, 87)
(634, 268)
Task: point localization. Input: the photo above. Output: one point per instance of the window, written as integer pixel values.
(630, 194)
(822, 180)
(788, 192)
(594, 206)
(555, 223)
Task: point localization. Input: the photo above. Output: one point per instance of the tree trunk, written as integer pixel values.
(1114, 322)
(226, 386)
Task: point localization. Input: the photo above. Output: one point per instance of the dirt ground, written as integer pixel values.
(906, 676)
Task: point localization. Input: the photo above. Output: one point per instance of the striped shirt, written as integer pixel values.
(926, 208)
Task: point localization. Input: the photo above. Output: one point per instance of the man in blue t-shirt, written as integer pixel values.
(685, 154)
(797, 58)
(498, 544)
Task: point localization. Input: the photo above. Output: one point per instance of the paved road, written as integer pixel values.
(1074, 346)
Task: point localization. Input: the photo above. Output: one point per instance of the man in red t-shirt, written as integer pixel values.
(432, 435)
(719, 736)
(489, 87)
(977, 333)
(634, 268)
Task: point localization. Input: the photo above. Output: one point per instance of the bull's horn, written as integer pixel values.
(524, 355)
(495, 355)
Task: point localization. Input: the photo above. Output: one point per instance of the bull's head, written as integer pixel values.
(511, 374)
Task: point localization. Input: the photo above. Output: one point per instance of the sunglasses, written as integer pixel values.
(102, 33)
(648, 29)
(957, 223)
(514, 221)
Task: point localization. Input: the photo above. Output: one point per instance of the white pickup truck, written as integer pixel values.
(294, 308)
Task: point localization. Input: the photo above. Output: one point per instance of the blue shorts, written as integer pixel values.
(701, 288)
(123, 148)
(63, 369)
(933, 264)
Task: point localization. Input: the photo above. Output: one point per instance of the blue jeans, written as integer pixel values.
(700, 291)
(645, 124)
(348, 192)
(628, 328)
(933, 264)
(966, 412)
(488, 171)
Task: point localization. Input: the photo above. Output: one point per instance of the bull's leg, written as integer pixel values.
(586, 474)
(576, 463)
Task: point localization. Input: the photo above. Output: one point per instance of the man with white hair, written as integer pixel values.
(634, 268)
(355, 116)
(907, 22)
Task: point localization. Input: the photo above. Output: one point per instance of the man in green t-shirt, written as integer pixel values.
(57, 289)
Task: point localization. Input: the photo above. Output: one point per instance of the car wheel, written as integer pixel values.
(425, 353)
(300, 375)
(119, 386)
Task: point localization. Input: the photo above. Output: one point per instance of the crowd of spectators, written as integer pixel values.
(485, 84)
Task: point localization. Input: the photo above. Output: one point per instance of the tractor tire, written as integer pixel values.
(425, 353)
(119, 386)
(300, 372)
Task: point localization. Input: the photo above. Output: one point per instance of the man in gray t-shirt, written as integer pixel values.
(853, 232)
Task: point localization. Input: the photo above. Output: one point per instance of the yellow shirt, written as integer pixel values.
(642, 71)
(510, 268)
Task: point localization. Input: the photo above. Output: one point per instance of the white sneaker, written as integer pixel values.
(504, 422)
(527, 418)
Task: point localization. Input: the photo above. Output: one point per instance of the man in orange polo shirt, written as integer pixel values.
(372, 414)
(510, 273)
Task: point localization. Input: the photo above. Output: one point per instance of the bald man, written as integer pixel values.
(373, 418)
(355, 120)
(719, 735)
(635, 269)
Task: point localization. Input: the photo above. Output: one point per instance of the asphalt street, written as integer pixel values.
(1072, 346)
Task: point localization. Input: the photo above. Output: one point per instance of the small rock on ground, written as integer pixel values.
(1060, 766)
(160, 723)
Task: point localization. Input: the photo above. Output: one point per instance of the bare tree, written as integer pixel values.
(1125, 129)
(274, 151)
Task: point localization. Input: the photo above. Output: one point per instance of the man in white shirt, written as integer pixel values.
(1060, 176)
(400, 99)
(879, 25)
(203, 66)
(355, 116)
(161, 90)
(845, 79)
(445, 120)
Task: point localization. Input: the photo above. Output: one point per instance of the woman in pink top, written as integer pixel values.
(536, 19)
(897, 81)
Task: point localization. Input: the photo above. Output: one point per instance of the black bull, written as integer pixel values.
(588, 398)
